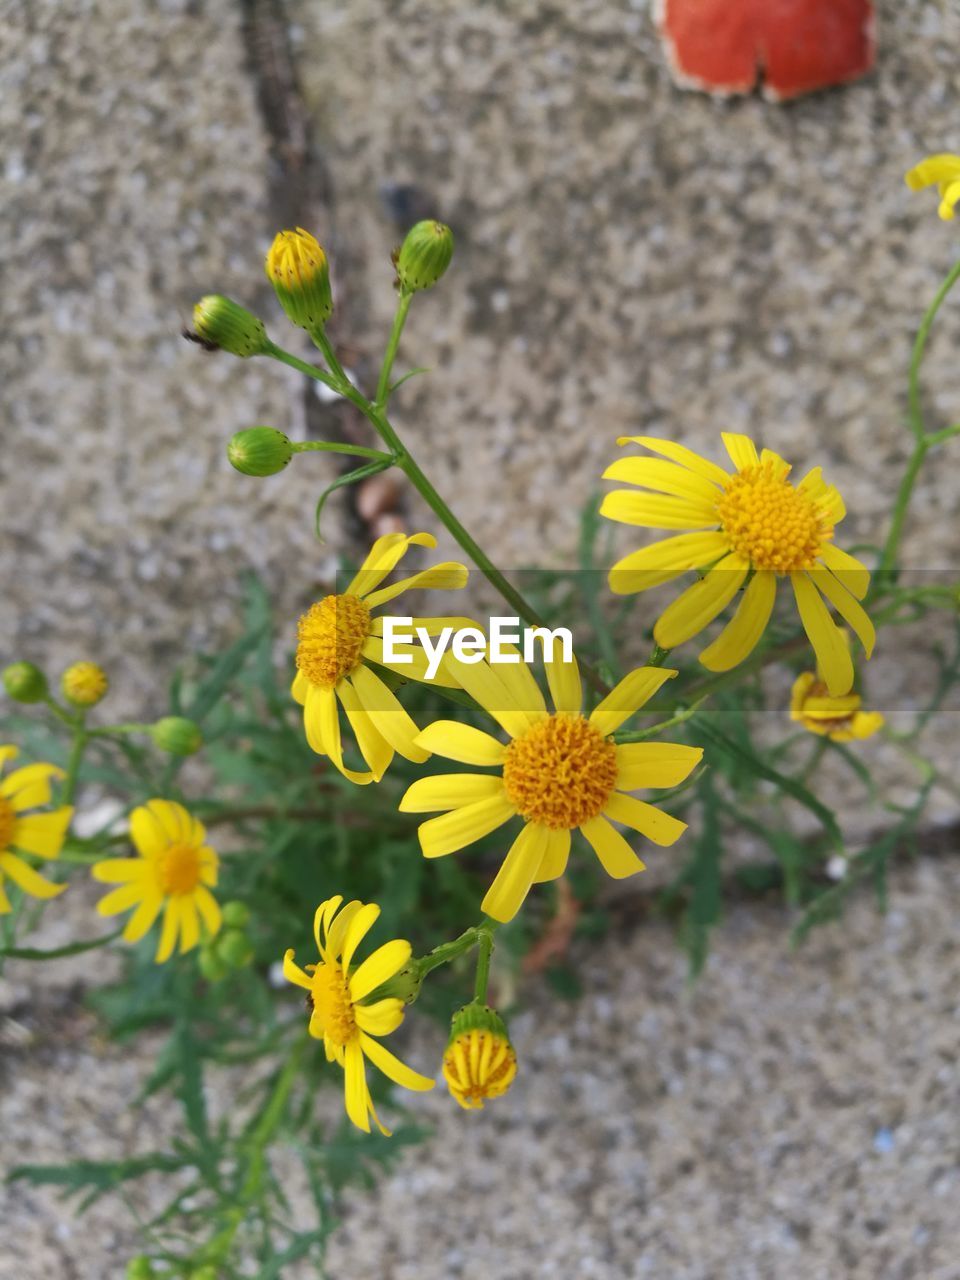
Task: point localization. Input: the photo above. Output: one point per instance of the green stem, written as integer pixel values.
(919, 350)
(484, 953)
(447, 951)
(891, 547)
(399, 320)
(641, 735)
(326, 348)
(80, 737)
(302, 366)
(658, 657)
(354, 450)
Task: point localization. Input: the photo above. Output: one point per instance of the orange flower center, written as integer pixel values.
(178, 869)
(479, 1065)
(331, 1000)
(8, 820)
(561, 772)
(330, 637)
(772, 524)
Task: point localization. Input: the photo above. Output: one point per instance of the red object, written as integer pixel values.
(790, 47)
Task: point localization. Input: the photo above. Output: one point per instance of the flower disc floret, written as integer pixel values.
(8, 820)
(561, 772)
(330, 637)
(330, 994)
(769, 522)
(178, 869)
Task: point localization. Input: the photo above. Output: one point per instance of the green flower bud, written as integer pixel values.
(234, 949)
(24, 682)
(479, 1062)
(236, 915)
(211, 966)
(140, 1268)
(424, 256)
(177, 735)
(222, 323)
(297, 268)
(259, 451)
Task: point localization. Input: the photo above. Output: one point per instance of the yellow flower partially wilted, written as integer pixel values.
(297, 268)
(480, 1062)
(560, 771)
(336, 637)
(41, 834)
(943, 172)
(84, 684)
(752, 528)
(174, 873)
(839, 719)
(341, 1014)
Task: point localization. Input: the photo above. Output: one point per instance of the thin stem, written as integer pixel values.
(302, 366)
(80, 737)
(354, 450)
(891, 547)
(658, 657)
(447, 951)
(326, 347)
(684, 714)
(919, 350)
(399, 320)
(484, 953)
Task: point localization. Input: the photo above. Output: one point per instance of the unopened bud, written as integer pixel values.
(223, 323)
(234, 948)
(297, 268)
(84, 684)
(210, 965)
(479, 1062)
(259, 451)
(24, 682)
(140, 1268)
(236, 915)
(424, 256)
(177, 735)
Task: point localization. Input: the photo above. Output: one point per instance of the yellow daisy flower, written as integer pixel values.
(839, 719)
(752, 527)
(175, 871)
(337, 994)
(560, 771)
(943, 172)
(41, 834)
(336, 637)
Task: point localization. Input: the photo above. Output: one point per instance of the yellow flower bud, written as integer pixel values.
(259, 451)
(479, 1062)
(221, 322)
(177, 735)
(84, 684)
(424, 256)
(297, 268)
(24, 682)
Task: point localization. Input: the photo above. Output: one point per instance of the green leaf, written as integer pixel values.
(59, 953)
(703, 874)
(96, 1176)
(348, 477)
(412, 373)
(741, 753)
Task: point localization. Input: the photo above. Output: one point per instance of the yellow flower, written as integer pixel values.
(943, 172)
(174, 872)
(37, 833)
(480, 1062)
(335, 638)
(839, 719)
(561, 770)
(753, 526)
(339, 1015)
(84, 684)
(296, 266)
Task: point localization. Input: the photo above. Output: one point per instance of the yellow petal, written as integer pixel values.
(29, 787)
(453, 831)
(680, 453)
(119, 870)
(122, 899)
(449, 576)
(411, 663)
(662, 561)
(691, 612)
(141, 922)
(381, 1018)
(798, 694)
(740, 636)
(293, 973)
(189, 924)
(616, 856)
(565, 688)
(209, 909)
(392, 1067)
(29, 881)
(322, 723)
(42, 833)
(663, 477)
(655, 764)
(651, 511)
(172, 817)
(449, 791)
(336, 931)
(383, 557)
(847, 569)
(517, 873)
(378, 967)
(848, 607)
(355, 1092)
(742, 450)
(387, 714)
(168, 931)
(484, 685)
(865, 724)
(300, 688)
(659, 827)
(374, 747)
(518, 680)
(148, 836)
(554, 861)
(829, 644)
(461, 742)
(357, 930)
(633, 692)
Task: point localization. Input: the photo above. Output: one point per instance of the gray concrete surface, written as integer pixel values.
(629, 258)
